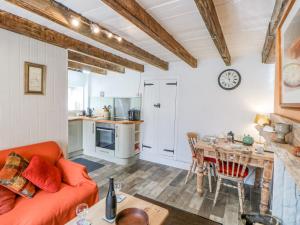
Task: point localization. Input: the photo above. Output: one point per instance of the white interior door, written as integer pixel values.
(150, 98)
(167, 117)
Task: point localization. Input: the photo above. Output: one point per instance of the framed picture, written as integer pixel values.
(289, 57)
(35, 78)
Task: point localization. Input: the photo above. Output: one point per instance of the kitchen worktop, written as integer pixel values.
(103, 120)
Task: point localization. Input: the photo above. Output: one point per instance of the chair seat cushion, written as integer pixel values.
(209, 159)
(11, 176)
(235, 170)
(43, 174)
(7, 200)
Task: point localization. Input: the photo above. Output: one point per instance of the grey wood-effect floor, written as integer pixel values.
(166, 184)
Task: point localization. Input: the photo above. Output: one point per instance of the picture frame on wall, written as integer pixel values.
(35, 79)
(289, 57)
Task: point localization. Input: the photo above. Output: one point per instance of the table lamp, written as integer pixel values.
(261, 120)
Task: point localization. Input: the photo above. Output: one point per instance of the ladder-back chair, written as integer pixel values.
(192, 140)
(232, 165)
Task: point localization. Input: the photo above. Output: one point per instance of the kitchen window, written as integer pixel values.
(75, 98)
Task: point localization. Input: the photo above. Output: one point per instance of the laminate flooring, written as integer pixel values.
(166, 184)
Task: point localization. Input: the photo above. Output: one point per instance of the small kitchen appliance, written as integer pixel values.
(134, 114)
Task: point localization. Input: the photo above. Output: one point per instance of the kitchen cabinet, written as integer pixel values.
(159, 113)
(89, 137)
(125, 140)
(74, 136)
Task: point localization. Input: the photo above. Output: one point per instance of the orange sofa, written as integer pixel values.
(51, 208)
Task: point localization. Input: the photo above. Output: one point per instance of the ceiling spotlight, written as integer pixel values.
(75, 22)
(109, 35)
(119, 38)
(95, 29)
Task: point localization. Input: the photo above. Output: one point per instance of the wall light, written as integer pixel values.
(75, 22)
(95, 29)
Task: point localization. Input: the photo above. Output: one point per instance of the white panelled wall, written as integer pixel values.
(203, 107)
(26, 119)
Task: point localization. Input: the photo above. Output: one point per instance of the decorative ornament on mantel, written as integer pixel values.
(229, 79)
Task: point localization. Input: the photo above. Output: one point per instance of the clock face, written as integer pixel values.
(229, 79)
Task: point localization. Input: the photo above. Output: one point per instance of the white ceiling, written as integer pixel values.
(244, 23)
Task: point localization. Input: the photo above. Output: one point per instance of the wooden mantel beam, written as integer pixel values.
(208, 12)
(132, 11)
(33, 30)
(76, 66)
(268, 52)
(62, 15)
(85, 59)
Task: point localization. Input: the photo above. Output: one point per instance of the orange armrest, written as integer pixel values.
(73, 174)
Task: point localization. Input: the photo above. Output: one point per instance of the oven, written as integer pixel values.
(105, 136)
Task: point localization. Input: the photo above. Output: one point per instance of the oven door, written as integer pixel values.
(105, 138)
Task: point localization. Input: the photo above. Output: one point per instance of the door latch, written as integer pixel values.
(168, 150)
(146, 146)
(157, 105)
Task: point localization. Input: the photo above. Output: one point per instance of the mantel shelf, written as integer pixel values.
(285, 153)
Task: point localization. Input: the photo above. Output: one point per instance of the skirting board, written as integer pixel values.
(164, 160)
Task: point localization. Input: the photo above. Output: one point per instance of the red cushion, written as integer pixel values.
(7, 200)
(209, 159)
(43, 174)
(235, 170)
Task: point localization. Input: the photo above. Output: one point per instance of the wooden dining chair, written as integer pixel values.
(232, 165)
(208, 162)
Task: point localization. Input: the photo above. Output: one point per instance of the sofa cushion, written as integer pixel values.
(7, 200)
(74, 174)
(51, 208)
(43, 174)
(49, 151)
(11, 175)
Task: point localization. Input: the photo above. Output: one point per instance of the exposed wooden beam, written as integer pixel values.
(209, 14)
(62, 15)
(72, 65)
(268, 52)
(132, 11)
(33, 30)
(81, 58)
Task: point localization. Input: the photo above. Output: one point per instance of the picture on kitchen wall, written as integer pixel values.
(290, 59)
(35, 75)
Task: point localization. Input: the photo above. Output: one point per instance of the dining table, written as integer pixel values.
(262, 162)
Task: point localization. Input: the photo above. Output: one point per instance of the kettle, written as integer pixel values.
(248, 140)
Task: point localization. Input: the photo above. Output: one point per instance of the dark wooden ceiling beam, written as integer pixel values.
(62, 15)
(33, 30)
(76, 66)
(132, 11)
(208, 12)
(82, 58)
(268, 52)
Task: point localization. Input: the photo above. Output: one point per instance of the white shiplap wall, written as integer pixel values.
(26, 119)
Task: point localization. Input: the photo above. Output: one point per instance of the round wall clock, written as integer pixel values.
(229, 79)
